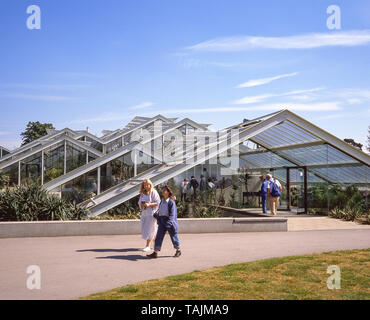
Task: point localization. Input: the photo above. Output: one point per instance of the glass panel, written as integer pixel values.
(114, 145)
(94, 144)
(296, 189)
(10, 175)
(81, 188)
(116, 171)
(76, 157)
(31, 168)
(53, 162)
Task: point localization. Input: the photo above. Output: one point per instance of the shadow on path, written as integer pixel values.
(109, 250)
(131, 257)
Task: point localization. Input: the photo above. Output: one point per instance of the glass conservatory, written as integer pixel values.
(317, 170)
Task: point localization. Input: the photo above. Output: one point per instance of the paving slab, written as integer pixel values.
(321, 223)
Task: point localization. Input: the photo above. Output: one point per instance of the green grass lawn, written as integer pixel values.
(297, 277)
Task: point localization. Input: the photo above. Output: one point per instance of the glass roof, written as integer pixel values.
(324, 162)
(284, 134)
(316, 155)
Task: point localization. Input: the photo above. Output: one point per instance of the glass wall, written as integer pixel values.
(10, 175)
(114, 145)
(116, 171)
(76, 157)
(54, 162)
(81, 188)
(95, 144)
(31, 168)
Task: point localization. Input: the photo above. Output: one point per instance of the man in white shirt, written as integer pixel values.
(272, 196)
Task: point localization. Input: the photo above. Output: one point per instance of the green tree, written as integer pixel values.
(35, 130)
(354, 143)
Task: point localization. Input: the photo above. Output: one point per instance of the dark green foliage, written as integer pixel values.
(35, 130)
(350, 214)
(4, 180)
(205, 212)
(326, 197)
(127, 210)
(354, 143)
(29, 202)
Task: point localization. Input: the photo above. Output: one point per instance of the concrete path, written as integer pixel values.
(297, 223)
(72, 267)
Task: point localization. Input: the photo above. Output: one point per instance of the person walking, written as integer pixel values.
(167, 222)
(264, 193)
(193, 184)
(184, 189)
(273, 193)
(148, 202)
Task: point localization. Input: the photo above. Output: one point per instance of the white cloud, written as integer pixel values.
(39, 97)
(107, 117)
(319, 107)
(255, 99)
(142, 106)
(305, 41)
(259, 82)
(113, 116)
(339, 115)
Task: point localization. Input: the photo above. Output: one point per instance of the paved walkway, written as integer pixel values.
(297, 223)
(72, 267)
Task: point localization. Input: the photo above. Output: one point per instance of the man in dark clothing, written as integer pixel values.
(264, 193)
(194, 185)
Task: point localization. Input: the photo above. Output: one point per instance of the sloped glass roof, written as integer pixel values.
(265, 159)
(284, 134)
(316, 155)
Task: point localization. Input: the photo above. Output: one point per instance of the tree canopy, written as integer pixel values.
(354, 143)
(35, 130)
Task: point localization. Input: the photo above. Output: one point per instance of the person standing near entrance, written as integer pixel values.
(184, 189)
(148, 202)
(167, 222)
(264, 193)
(193, 184)
(273, 193)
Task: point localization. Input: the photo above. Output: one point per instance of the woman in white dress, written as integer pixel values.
(148, 202)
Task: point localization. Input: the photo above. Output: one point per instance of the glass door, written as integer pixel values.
(297, 189)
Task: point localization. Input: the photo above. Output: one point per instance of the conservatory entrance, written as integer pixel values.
(297, 189)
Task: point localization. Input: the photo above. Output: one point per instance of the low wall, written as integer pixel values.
(131, 227)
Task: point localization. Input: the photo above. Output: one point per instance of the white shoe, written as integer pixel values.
(146, 249)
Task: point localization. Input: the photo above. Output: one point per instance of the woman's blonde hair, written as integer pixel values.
(142, 187)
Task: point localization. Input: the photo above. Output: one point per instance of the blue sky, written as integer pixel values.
(100, 63)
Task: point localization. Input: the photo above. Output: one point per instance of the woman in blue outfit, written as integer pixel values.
(167, 222)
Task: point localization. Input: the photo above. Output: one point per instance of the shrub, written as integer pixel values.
(4, 180)
(350, 214)
(205, 212)
(127, 210)
(29, 202)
